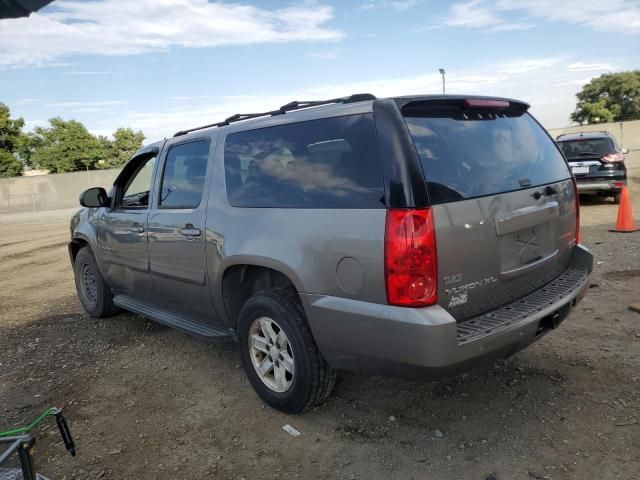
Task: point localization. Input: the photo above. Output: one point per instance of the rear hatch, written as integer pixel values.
(592, 158)
(503, 200)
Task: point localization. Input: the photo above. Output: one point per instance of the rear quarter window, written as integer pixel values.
(467, 155)
(327, 163)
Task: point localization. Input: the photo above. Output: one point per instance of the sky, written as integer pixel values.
(164, 65)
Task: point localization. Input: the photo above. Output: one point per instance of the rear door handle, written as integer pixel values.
(526, 217)
(190, 231)
(136, 228)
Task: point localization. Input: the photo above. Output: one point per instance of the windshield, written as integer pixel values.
(472, 155)
(591, 147)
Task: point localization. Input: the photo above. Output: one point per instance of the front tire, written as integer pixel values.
(94, 293)
(279, 355)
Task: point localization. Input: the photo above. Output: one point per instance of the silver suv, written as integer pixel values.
(410, 236)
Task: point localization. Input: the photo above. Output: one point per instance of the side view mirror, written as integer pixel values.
(94, 198)
(625, 151)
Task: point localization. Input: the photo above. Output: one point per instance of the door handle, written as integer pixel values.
(190, 231)
(136, 228)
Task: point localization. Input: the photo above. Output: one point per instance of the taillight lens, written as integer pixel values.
(410, 262)
(613, 158)
(575, 190)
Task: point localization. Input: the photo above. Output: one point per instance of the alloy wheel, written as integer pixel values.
(271, 354)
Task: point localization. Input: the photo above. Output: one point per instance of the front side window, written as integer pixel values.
(136, 188)
(184, 174)
(327, 163)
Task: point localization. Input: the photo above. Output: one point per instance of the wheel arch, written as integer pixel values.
(78, 241)
(244, 276)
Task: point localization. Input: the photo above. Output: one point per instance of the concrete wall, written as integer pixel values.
(50, 192)
(627, 133)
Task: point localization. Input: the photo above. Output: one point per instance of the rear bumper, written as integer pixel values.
(428, 342)
(599, 186)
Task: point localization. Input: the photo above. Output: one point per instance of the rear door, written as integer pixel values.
(177, 231)
(503, 200)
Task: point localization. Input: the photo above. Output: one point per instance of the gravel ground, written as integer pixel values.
(144, 401)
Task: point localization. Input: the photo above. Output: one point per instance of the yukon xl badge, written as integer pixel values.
(460, 295)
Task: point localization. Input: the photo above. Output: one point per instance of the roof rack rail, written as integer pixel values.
(291, 106)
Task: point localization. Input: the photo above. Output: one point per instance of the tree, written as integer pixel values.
(609, 97)
(124, 144)
(66, 146)
(11, 140)
(10, 166)
(30, 144)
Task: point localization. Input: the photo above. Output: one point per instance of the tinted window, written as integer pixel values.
(136, 190)
(328, 163)
(183, 176)
(476, 154)
(589, 147)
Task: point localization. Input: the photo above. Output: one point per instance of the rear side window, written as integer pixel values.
(592, 147)
(184, 174)
(467, 155)
(327, 163)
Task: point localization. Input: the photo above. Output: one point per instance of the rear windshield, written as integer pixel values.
(591, 147)
(327, 163)
(467, 155)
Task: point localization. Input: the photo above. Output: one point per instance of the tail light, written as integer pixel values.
(575, 190)
(410, 262)
(613, 158)
(486, 103)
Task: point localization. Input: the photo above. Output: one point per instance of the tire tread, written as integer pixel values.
(323, 376)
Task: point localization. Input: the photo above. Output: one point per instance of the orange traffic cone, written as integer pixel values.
(625, 215)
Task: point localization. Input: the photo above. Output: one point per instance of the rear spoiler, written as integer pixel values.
(429, 104)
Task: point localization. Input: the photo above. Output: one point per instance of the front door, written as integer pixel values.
(122, 229)
(177, 232)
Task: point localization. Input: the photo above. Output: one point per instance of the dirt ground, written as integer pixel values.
(146, 402)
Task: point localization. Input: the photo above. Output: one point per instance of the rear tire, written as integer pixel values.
(616, 199)
(274, 335)
(94, 293)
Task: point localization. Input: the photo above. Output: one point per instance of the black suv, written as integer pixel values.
(597, 162)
